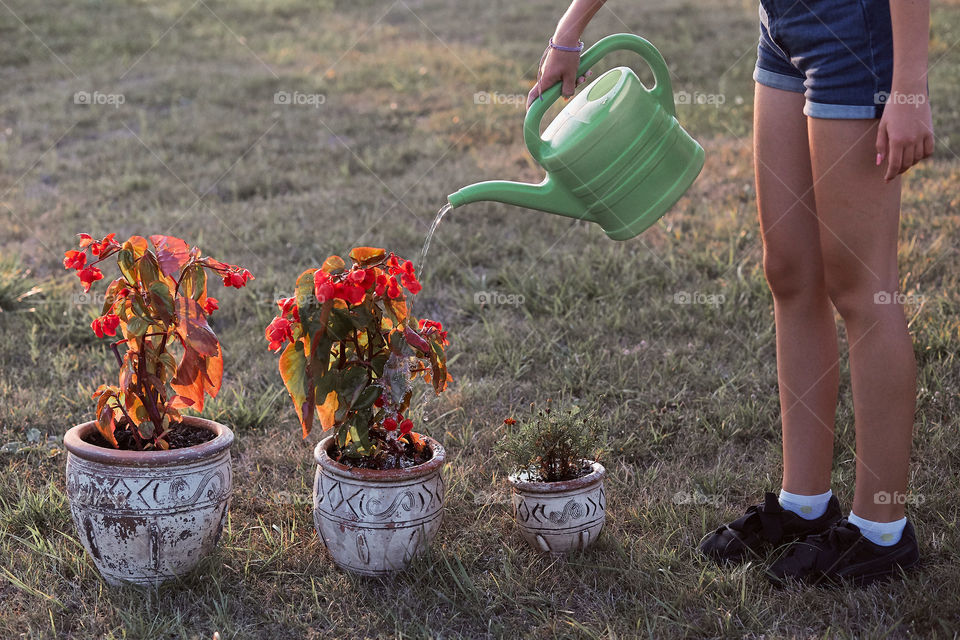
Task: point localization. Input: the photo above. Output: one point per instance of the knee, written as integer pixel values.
(790, 274)
(856, 293)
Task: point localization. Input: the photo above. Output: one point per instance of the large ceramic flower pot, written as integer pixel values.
(559, 517)
(375, 522)
(148, 516)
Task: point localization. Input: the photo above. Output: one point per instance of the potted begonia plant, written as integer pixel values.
(350, 353)
(552, 457)
(148, 486)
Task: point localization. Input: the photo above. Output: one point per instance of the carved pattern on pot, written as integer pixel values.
(571, 511)
(560, 517)
(144, 520)
(374, 526)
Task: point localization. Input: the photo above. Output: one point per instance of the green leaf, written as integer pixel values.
(127, 264)
(137, 326)
(161, 300)
(146, 428)
(367, 397)
(306, 298)
(340, 325)
(149, 269)
(193, 283)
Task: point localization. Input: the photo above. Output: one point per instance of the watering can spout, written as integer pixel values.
(547, 196)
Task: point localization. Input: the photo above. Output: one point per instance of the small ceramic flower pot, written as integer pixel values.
(375, 522)
(560, 517)
(146, 517)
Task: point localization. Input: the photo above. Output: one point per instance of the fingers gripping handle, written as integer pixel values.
(662, 90)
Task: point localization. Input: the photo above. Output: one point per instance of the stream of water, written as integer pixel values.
(426, 243)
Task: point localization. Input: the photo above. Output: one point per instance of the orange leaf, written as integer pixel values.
(138, 245)
(106, 425)
(366, 256)
(293, 370)
(327, 410)
(189, 381)
(333, 264)
(193, 328)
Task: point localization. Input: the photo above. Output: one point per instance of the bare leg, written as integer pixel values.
(859, 218)
(806, 331)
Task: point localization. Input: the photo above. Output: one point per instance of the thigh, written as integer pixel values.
(859, 213)
(785, 194)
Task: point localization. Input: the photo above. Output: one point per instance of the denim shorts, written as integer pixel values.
(838, 53)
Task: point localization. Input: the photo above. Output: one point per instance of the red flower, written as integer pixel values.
(350, 293)
(97, 248)
(85, 240)
(378, 402)
(509, 422)
(236, 279)
(357, 276)
(393, 289)
(411, 283)
(74, 260)
(429, 327)
(389, 424)
(369, 278)
(106, 325)
(211, 304)
(381, 285)
(323, 286)
(88, 276)
(289, 306)
(278, 332)
(406, 426)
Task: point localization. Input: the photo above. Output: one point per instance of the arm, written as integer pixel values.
(561, 66)
(906, 128)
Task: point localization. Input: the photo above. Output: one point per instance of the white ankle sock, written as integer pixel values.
(885, 534)
(807, 507)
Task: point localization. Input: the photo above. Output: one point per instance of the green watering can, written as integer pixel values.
(615, 155)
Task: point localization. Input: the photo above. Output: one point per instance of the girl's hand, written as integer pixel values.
(906, 132)
(558, 66)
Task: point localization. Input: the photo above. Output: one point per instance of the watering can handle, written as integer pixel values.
(662, 90)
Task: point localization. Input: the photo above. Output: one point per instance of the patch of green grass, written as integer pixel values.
(688, 392)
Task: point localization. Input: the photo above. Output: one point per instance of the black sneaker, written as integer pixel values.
(841, 554)
(763, 527)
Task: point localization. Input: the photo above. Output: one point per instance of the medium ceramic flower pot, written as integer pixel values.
(375, 522)
(148, 516)
(559, 517)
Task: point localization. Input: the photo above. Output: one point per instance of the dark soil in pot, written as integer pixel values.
(181, 436)
(409, 456)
